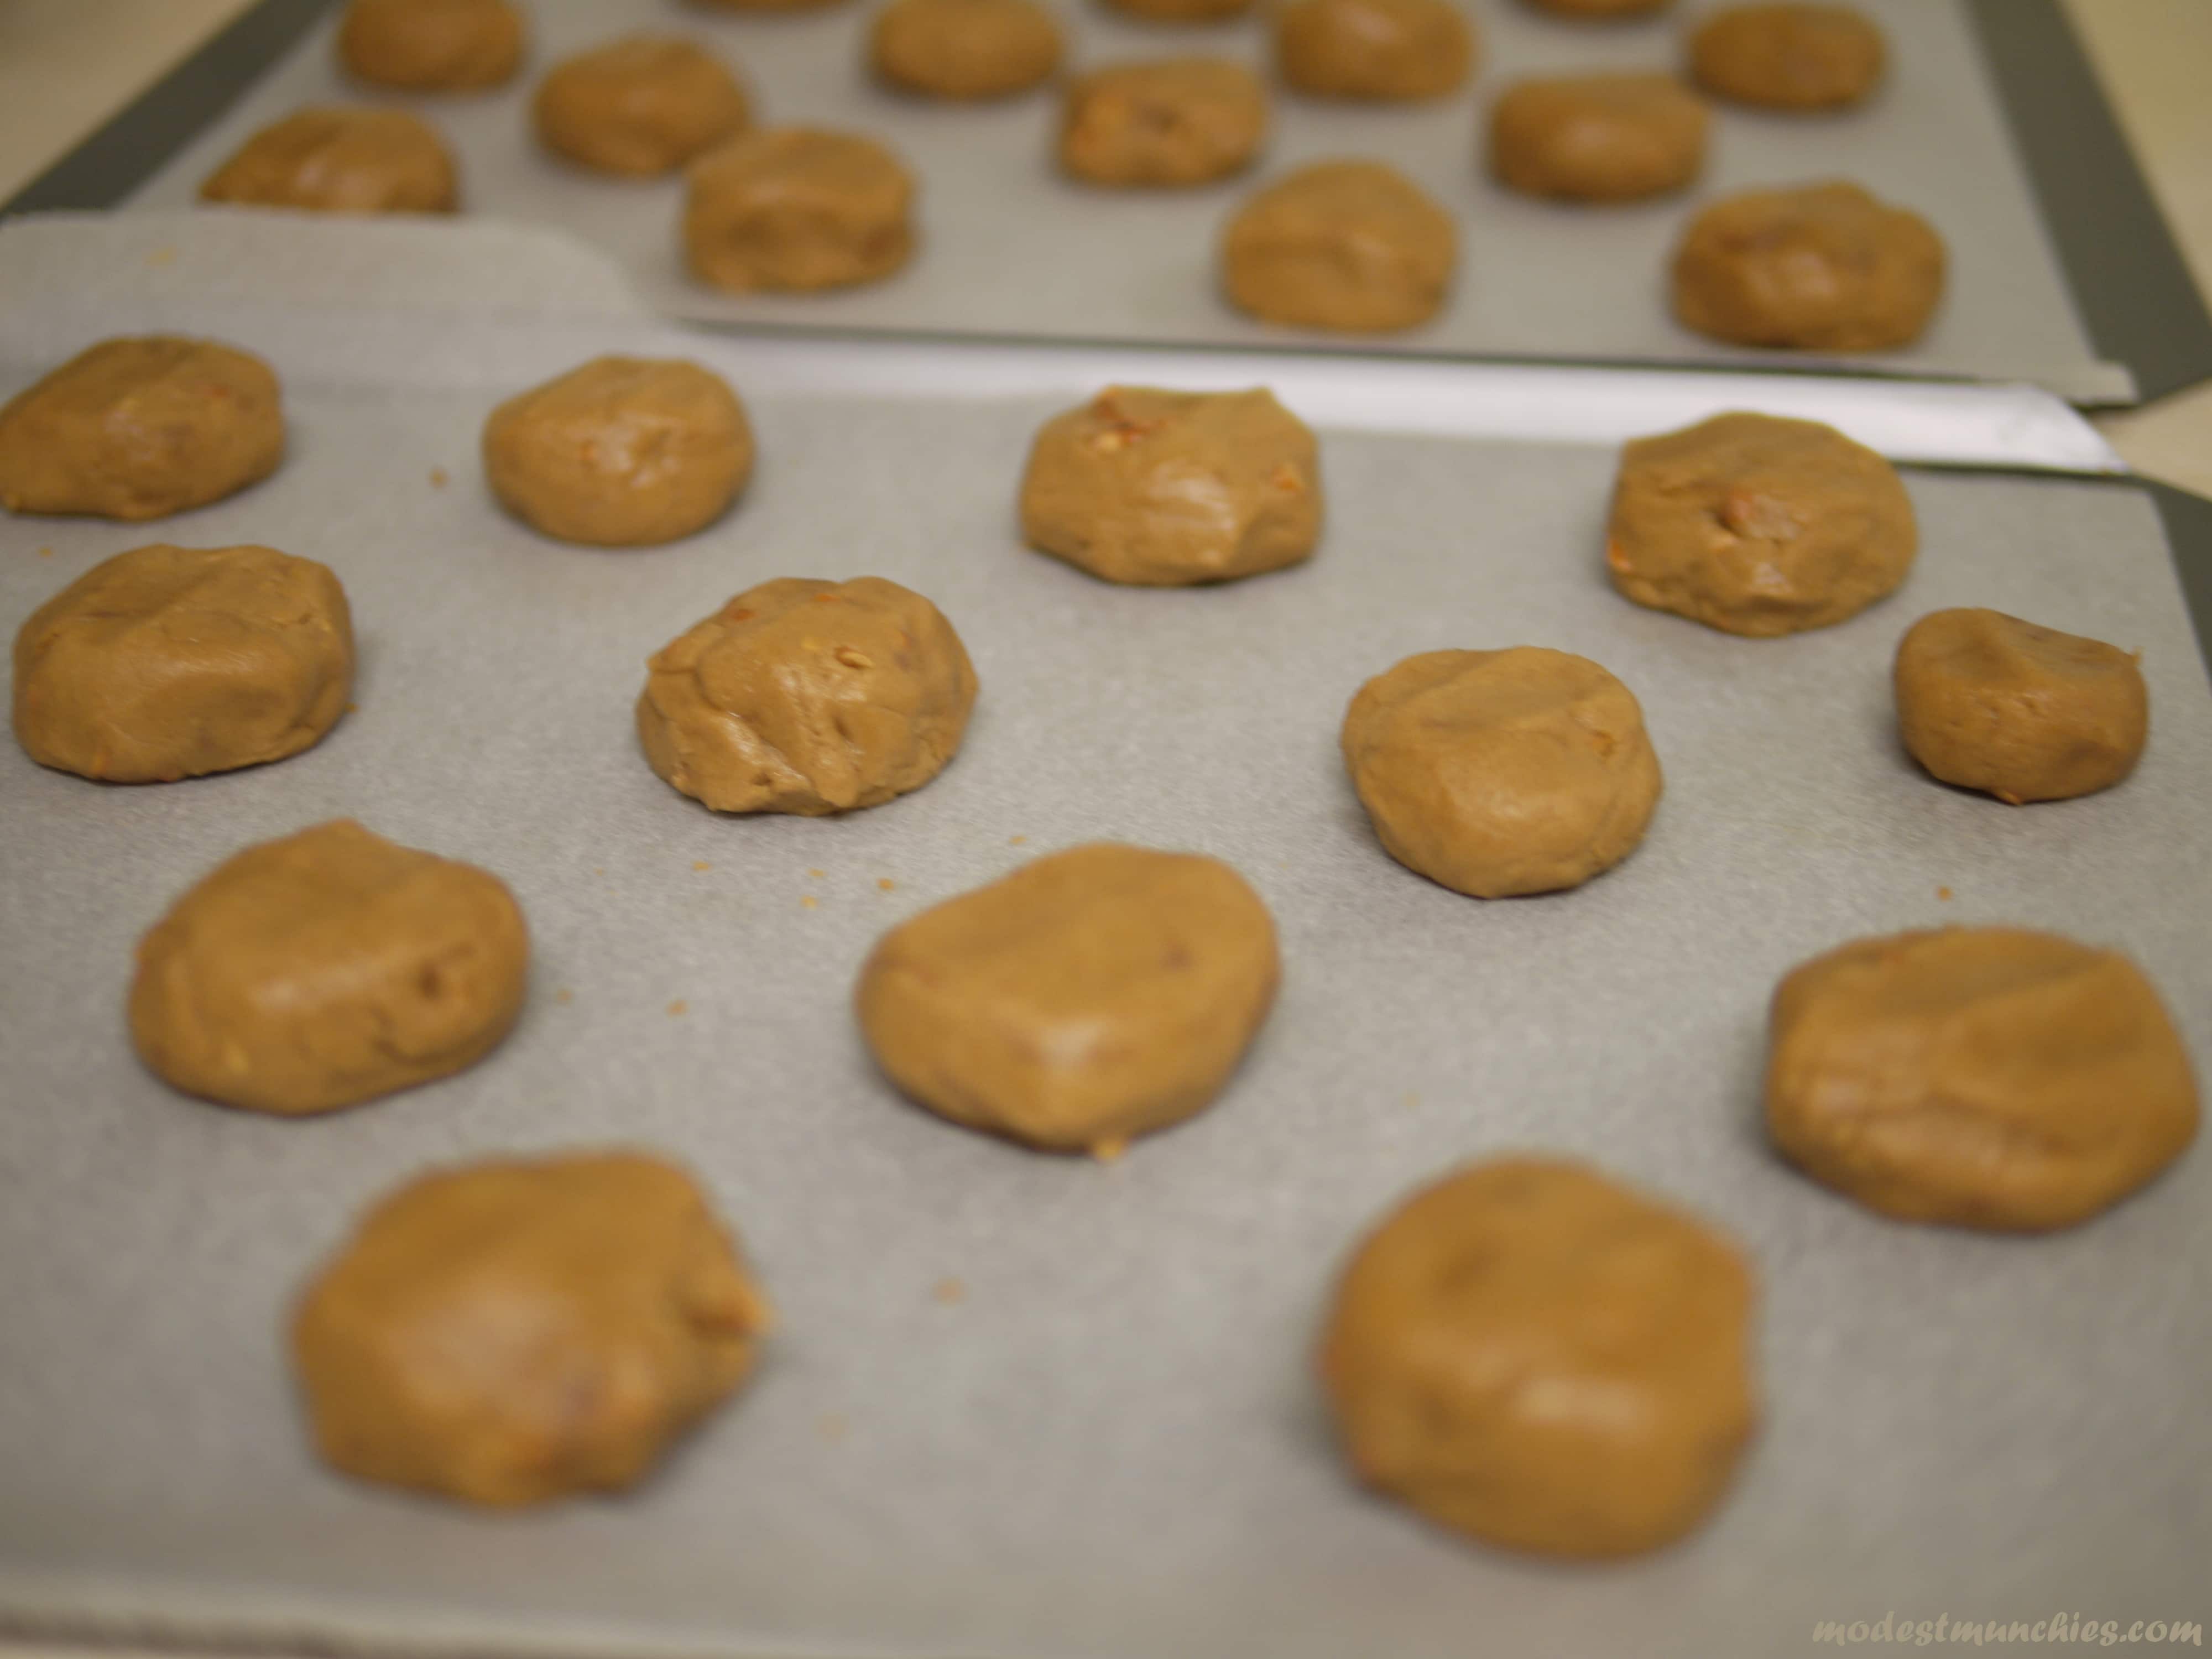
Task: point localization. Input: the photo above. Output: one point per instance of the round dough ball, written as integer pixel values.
(1393, 50)
(1090, 997)
(1350, 245)
(1164, 488)
(965, 48)
(1542, 1358)
(1988, 702)
(1598, 138)
(624, 451)
(326, 968)
(638, 106)
(1170, 121)
(432, 46)
(172, 662)
(1758, 526)
(798, 208)
(1498, 773)
(1823, 268)
(1982, 1077)
(513, 1332)
(1788, 56)
(807, 696)
(1180, 11)
(141, 428)
(341, 159)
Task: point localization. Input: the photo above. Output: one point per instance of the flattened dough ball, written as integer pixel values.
(1092, 996)
(1789, 57)
(513, 1332)
(964, 49)
(1163, 488)
(341, 159)
(326, 968)
(1500, 773)
(1759, 526)
(797, 209)
(1982, 1077)
(808, 696)
(1598, 138)
(1540, 1358)
(1180, 11)
(141, 428)
(1353, 246)
(638, 106)
(1388, 49)
(172, 662)
(1988, 702)
(1170, 121)
(432, 46)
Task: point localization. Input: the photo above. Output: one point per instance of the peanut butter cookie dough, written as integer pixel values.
(1789, 57)
(1170, 121)
(1988, 702)
(1500, 773)
(140, 427)
(1759, 526)
(341, 159)
(638, 106)
(172, 662)
(1163, 488)
(1180, 11)
(1598, 138)
(432, 46)
(964, 49)
(1354, 246)
(808, 696)
(513, 1332)
(624, 451)
(326, 968)
(1538, 1357)
(1092, 996)
(798, 208)
(1386, 50)
(1982, 1077)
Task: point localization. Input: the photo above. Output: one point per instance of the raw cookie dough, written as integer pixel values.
(432, 46)
(1391, 49)
(807, 696)
(1598, 138)
(1988, 702)
(1092, 996)
(965, 48)
(624, 451)
(1540, 1357)
(328, 968)
(1759, 526)
(1824, 267)
(1498, 773)
(1169, 121)
(513, 1332)
(798, 208)
(341, 159)
(1789, 57)
(1180, 11)
(172, 662)
(1983, 1076)
(141, 428)
(638, 106)
(1163, 488)
(1350, 246)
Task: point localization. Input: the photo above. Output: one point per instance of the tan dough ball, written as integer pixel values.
(513, 1332)
(1390, 50)
(638, 106)
(141, 428)
(1500, 773)
(1598, 138)
(1789, 57)
(808, 696)
(1180, 11)
(965, 48)
(326, 968)
(1092, 996)
(1822, 268)
(1982, 1077)
(341, 159)
(1163, 488)
(1170, 121)
(172, 662)
(624, 451)
(1758, 526)
(432, 46)
(1988, 702)
(1353, 246)
(800, 208)
(1540, 1358)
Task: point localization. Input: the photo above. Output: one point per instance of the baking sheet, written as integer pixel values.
(1011, 250)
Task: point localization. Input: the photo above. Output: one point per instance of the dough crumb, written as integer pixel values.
(886, 884)
(810, 900)
(1109, 1149)
(1944, 894)
(1411, 1099)
(439, 478)
(832, 1426)
(1016, 841)
(949, 1290)
(162, 256)
(817, 874)
(701, 864)
(564, 996)
(678, 1007)
(45, 552)
(353, 708)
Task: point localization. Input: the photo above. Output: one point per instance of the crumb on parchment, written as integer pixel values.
(701, 864)
(1943, 893)
(949, 1290)
(679, 1006)
(564, 995)
(809, 901)
(885, 883)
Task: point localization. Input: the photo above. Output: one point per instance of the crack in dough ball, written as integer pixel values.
(1353, 246)
(432, 46)
(1789, 57)
(964, 49)
(1598, 138)
(797, 209)
(1171, 121)
(638, 106)
(1391, 50)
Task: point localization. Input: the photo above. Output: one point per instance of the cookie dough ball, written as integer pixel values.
(1090, 997)
(432, 46)
(325, 969)
(1598, 138)
(1801, 57)
(1824, 268)
(638, 106)
(1988, 702)
(513, 1332)
(1180, 11)
(1982, 1077)
(965, 48)
(625, 451)
(1350, 245)
(172, 662)
(1391, 49)
(806, 696)
(1172, 121)
(1759, 526)
(341, 159)
(798, 208)
(141, 428)
(1542, 1358)
(1164, 488)
(1498, 773)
